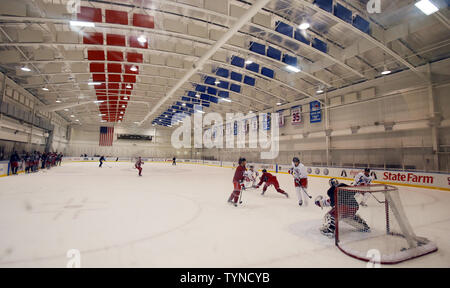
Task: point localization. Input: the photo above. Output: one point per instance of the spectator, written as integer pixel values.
(14, 162)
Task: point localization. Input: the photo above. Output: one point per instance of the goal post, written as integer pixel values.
(381, 226)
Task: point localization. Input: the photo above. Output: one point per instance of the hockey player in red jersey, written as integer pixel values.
(269, 179)
(138, 165)
(238, 180)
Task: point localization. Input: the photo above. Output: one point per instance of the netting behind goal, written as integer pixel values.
(381, 228)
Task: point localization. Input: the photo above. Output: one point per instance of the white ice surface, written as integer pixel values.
(177, 216)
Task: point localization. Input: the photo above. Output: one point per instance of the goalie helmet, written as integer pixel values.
(333, 182)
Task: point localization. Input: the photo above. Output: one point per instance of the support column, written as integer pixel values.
(435, 122)
(327, 129)
(3, 88)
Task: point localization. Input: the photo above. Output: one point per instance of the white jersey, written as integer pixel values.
(251, 175)
(362, 179)
(299, 172)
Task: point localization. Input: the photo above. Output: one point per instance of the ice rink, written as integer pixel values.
(177, 216)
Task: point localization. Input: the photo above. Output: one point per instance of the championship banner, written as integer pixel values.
(242, 127)
(266, 121)
(315, 114)
(254, 123)
(280, 118)
(208, 134)
(214, 132)
(228, 129)
(296, 115)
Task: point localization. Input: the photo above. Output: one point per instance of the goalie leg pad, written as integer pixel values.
(328, 226)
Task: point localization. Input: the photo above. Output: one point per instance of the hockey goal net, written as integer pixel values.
(382, 227)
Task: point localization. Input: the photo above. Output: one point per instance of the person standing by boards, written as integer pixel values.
(138, 165)
(174, 161)
(102, 159)
(14, 162)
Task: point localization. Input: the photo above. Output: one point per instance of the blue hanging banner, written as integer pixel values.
(315, 112)
(266, 121)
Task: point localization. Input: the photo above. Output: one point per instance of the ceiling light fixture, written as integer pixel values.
(58, 101)
(82, 24)
(133, 68)
(94, 83)
(128, 86)
(292, 69)
(25, 68)
(45, 89)
(142, 39)
(304, 26)
(427, 7)
(386, 71)
(248, 62)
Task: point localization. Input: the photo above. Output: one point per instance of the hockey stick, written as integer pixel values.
(381, 202)
(310, 197)
(240, 196)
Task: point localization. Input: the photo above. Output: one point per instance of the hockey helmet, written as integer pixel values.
(241, 160)
(296, 160)
(333, 182)
(264, 171)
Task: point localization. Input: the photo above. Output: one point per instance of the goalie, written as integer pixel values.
(348, 206)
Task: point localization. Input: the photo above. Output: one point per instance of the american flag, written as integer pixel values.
(106, 136)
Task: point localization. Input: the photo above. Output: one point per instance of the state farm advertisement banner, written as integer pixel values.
(416, 179)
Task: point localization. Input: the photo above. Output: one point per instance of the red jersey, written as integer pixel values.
(267, 177)
(138, 163)
(239, 174)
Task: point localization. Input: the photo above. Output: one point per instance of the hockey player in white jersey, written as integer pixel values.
(300, 174)
(363, 178)
(251, 176)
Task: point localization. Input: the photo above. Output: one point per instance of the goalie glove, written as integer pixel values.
(290, 171)
(319, 201)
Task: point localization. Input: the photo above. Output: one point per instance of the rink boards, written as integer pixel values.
(439, 181)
